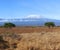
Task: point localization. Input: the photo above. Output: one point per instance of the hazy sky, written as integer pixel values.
(30, 8)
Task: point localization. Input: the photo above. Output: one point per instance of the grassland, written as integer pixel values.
(32, 38)
(29, 29)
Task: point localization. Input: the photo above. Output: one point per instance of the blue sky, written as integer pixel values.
(30, 8)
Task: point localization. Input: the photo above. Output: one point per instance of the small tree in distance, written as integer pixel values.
(9, 25)
(49, 24)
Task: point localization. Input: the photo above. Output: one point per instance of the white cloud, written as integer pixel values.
(3, 20)
(33, 16)
(22, 18)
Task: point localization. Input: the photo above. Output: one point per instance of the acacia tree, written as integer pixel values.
(9, 25)
(49, 24)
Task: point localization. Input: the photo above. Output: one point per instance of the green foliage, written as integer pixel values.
(50, 24)
(9, 25)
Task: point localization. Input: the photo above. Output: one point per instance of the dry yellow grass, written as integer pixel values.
(38, 39)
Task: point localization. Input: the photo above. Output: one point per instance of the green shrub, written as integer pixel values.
(49, 24)
(9, 25)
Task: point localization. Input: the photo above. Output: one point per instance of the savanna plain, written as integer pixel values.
(30, 38)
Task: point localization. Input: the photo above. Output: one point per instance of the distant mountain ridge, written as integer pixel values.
(30, 21)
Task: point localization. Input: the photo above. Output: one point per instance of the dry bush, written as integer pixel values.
(9, 41)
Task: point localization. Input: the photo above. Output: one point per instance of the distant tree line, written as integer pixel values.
(10, 25)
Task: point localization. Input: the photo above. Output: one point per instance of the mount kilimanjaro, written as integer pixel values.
(30, 21)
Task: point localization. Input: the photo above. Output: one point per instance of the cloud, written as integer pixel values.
(26, 18)
(33, 16)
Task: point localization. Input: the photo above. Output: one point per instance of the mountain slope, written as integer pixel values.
(30, 21)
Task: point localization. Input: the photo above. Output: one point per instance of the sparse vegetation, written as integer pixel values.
(45, 40)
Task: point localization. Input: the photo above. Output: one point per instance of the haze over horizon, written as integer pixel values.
(30, 9)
